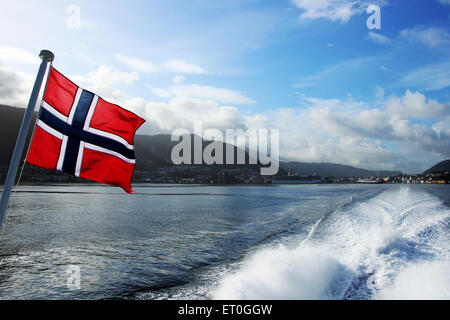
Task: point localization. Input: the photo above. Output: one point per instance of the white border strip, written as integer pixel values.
(62, 152)
(49, 130)
(53, 111)
(79, 159)
(74, 106)
(113, 153)
(91, 111)
(111, 136)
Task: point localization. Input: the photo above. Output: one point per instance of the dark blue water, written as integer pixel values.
(174, 241)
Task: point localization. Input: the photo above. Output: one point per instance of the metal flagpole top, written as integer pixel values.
(47, 54)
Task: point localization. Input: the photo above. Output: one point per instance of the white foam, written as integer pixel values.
(304, 272)
(425, 280)
(374, 249)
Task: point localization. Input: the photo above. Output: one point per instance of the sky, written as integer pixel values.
(337, 90)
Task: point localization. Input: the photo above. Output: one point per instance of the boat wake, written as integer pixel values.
(392, 246)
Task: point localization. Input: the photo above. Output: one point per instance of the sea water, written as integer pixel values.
(228, 242)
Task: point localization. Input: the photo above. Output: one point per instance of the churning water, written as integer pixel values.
(236, 242)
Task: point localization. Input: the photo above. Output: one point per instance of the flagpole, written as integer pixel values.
(47, 58)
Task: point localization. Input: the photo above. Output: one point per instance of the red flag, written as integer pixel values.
(80, 133)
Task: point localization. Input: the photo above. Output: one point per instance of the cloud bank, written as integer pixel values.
(406, 132)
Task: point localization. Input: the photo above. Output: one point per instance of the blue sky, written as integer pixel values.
(337, 91)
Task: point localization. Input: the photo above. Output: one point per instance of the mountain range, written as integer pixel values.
(441, 167)
(153, 152)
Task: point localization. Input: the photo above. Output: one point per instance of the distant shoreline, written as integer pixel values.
(167, 184)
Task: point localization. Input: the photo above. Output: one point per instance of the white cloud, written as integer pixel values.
(431, 77)
(181, 66)
(183, 112)
(415, 105)
(107, 75)
(444, 1)
(145, 66)
(378, 38)
(105, 81)
(15, 87)
(17, 55)
(162, 93)
(204, 92)
(349, 132)
(309, 135)
(137, 64)
(430, 36)
(395, 121)
(441, 127)
(327, 130)
(334, 10)
(178, 79)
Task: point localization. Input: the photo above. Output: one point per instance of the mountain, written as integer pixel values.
(333, 170)
(441, 167)
(10, 120)
(154, 152)
(151, 151)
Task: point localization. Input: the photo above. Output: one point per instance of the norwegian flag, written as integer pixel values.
(80, 133)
